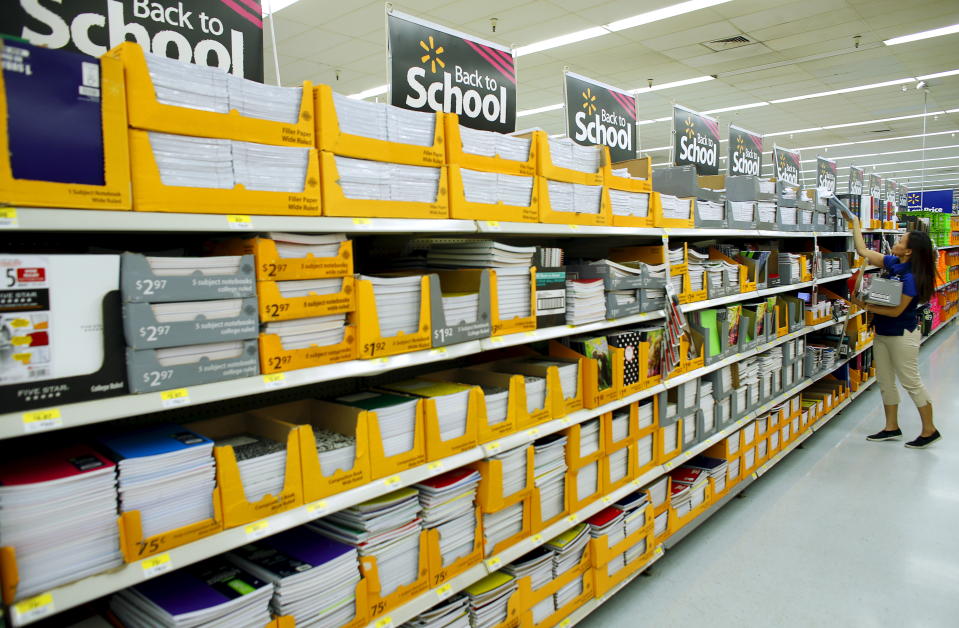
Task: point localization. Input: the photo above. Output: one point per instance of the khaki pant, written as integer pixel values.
(899, 356)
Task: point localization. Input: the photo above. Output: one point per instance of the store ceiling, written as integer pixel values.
(812, 39)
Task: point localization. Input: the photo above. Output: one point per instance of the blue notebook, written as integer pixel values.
(199, 586)
(154, 440)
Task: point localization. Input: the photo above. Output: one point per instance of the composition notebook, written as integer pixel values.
(426, 388)
(373, 400)
(199, 586)
(294, 551)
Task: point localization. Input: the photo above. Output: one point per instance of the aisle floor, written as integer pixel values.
(842, 532)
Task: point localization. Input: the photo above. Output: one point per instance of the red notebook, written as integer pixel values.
(52, 465)
(604, 516)
(685, 475)
(448, 479)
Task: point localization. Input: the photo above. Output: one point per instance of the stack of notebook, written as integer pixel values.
(766, 211)
(166, 472)
(302, 333)
(625, 203)
(395, 416)
(568, 549)
(314, 577)
(382, 181)
(585, 301)
(565, 153)
(460, 307)
(707, 404)
(695, 482)
(711, 210)
(538, 566)
(213, 592)
(697, 269)
(743, 211)
(451, 401)
(489, 599)
(336, 452)
(462, 253)
(386, 528)
(549, 472)
(447, 504)
(491, 188)
(60, 516)
(397, 303)
(574, 197)
(501, 525)
(384, 122)
(514, 463)
(714, 467)
(539, 367)
(675, 207)
(608, 524)
(491, 144)
(262, 464)
(453, 613)
(634, 518)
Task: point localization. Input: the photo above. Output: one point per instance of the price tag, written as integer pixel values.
(493, 225)
(532, 432)
(635, 482)
(257, 530)
(573, 227)
(8, 218)
(435, 466)
(237, 222)
(530, 334)
(156, 565)
(384, 622)
(491, 448)
(444, 591)
(362, 222)
(393, 481)
(496, 340)
(493, 563)
(439, 351)
(318, 507)
(658, 552)
(537, 538)
(274, 380)
(566, 622)
(40, 420)
(755, 476)
(573, 518)
(566, 421)
(175, 398)
(381, 361)
(33, 608)
(607, 500)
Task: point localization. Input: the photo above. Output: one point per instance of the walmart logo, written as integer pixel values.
(432, 55)
(589, 101)
(690, 130)
(740, 144)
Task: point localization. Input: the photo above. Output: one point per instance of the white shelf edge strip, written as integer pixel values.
(15, 424)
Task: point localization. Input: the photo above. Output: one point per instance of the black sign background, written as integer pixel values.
(745, 152)
(788, 165)
(890, 191)
(855, 180)
(426, 59)
(875, 185)
(599, 114)
(207, 32)
(826, 174)
(699, 135)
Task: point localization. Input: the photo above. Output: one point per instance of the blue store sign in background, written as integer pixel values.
(934, 200)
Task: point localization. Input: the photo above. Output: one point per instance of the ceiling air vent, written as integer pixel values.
(886, 130)
(728, 43)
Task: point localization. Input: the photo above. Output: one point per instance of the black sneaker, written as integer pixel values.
(922, 442)
(885, 435)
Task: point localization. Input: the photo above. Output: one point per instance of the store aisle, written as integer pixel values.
(841, 533)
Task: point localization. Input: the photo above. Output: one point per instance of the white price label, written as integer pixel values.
(393, 481)
(384, 622)
(33, 608)
(274, 380)
(236, 222)
(494, 563)
(438, 352)
(175, 398)
(318, 507)
(257, 530)
(40, 420)
(8, 218)
(493, 225)
(363, 223)
(444, 591)
(435, 467)
(533, 432)
(573, 518)
(156, 565)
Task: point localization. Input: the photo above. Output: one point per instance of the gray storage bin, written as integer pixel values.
(143, 331)
(613, 310)
(678, 394)
(781, 222)
(766, 224)
(610, 282)
(733, 223)
(139, 284)
(705, 223)
(452, 332)
(783, 191)
(720, 390)
(683, 182)
(648, 303)
(146, 374)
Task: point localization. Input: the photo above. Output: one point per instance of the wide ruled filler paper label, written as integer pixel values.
(33, 609)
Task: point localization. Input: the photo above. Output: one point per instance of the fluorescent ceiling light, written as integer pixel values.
(936, 32)
(562, 40)
(915, 115)
(751, 105)
(656, 88)
(937, 75)
(530, 112)
(806, 130)
(846, 90)
(373, 91)
(878, 139)
(895, 163)
(642, 122)
(662, 14)
(272, 6)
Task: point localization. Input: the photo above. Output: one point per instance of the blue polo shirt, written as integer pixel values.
(896, 326)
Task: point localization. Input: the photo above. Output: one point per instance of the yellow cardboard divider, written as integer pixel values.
(462, 209)
(547, 215)
(632, 472)
(382, 465)
(275, 307)
(602, 553)
(604, 583)
(593, 396)
(436, 447)
(440, 573)
(147, 113)
(150, 194)
(370, 344)
(270, 266)
(574, 445)
(558, 405)
(560, 614)
(660, 220)
(115, 192)
(536, 509)
(640, 167)
(676, 523)
(531, 597)
(479, 377)
(135, 547)
(519, 536)
(275, 359)
(666, 451)
(574, 499)
(378, 604)
(330, 138)
(546, 168)
(456, 156)
(489, 493)
(502, 327)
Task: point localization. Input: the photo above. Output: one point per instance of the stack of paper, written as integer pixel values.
(585, 301)
(538, 566)
(767, 186)
(262, 464)
(565, 153)
(607, 524)
(549, 475)
(790, 193)
(268, 102)
(715, 275)
(697, 269)
(382, 181)
(452, 613)
(634, 518)
(676, 282)
(619, 425)
(492, 187)
(336, 452)
(448, 505)
(491, 144)
(314, 577)
(302, 333)
(166, 472)
(60, 516)
(625, 203)
(743, 211)
(514, 470)
(645, 414)
(587, 480)
(386, 528)
(213, 592)
(789, 268)
(689, 430)
(395, 415)
(571, 591)
(707, 404)
(188, 85)
(513, 291)
(190, 354)
(489, 599)
(675, 207)
(767, 211)
(573, 197)
(306, 287)
(183, 266)
(625, 174)
(568, 549)
(714, 467)
(689, 488)
(397, 303)
(460, 307)
(451, 400)
(296, 245)
(384, 122)
(588, 437)
(501, 525)
(269, 168)
(463, 253)
(497, 403)
(742, 396)
(732, 273)
(789, 215)
(711, 210)
(724, 409)
(677, 256)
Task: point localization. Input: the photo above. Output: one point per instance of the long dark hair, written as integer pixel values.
(923, 261)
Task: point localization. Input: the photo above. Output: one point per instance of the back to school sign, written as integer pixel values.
(696, 140)
(787, 164)
(745, 152)
(433, 68)
(597, 113)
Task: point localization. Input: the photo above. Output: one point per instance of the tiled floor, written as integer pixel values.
(841, 533)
